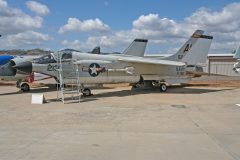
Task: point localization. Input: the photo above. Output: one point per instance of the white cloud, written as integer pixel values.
(146, 27)
(3, 4)
(23, 39)
(152, 26)
(153, 21)
(17, 28)
(38, 8)
(93, 41)
(158, 30)
(226, 20)
(76, 44)
(224, 25)
(90, 43)
(13, 20)
(75, 25)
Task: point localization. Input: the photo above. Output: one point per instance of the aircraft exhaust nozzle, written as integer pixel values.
(25, 67)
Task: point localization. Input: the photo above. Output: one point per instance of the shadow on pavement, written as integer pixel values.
(171, 90)
(33, 90)
(122, 93)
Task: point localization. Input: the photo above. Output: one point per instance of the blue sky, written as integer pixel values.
(113, 24)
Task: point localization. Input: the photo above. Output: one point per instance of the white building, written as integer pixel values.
(221, 64)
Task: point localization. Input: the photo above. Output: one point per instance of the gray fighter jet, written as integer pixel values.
(129, 67)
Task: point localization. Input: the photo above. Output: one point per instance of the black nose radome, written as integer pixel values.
(25, 67)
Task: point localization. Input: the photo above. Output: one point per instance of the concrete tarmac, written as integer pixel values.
(191, 123)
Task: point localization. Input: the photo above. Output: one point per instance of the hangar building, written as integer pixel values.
(221, 64)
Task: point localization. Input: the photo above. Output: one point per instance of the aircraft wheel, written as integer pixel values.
(163, 87)
(25, 87)
(86, 92)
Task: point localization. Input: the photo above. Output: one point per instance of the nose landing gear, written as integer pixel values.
(24, 86)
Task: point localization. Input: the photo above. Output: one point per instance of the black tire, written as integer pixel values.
(25, 87)
(86, 92)
(163, 87)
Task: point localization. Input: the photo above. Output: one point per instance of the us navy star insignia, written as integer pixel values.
(93, 69)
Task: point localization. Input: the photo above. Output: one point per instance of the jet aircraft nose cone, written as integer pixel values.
(25, 67)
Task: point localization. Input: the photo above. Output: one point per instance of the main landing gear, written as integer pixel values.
(149, 84)
(163, 87)
(86, 92)
(161, 84)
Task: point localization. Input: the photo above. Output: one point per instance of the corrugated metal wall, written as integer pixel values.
(222, 68)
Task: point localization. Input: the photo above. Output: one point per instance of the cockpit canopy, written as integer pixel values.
(67, 55)
(53, 57)
(45, 59)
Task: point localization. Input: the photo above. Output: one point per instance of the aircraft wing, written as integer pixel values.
(150, 61)
(91, 61)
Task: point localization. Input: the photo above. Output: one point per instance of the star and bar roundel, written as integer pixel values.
(94, 69)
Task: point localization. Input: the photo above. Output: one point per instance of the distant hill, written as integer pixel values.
(36, 51)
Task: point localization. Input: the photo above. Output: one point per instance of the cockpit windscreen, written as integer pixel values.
(45, 59)
(50, 59)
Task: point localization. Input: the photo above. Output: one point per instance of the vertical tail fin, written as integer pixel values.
(195, 50)
(186, 47)
(136, 48)
(96, 50)
(198, 53)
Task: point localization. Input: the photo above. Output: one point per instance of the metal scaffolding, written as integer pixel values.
(68, 80)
